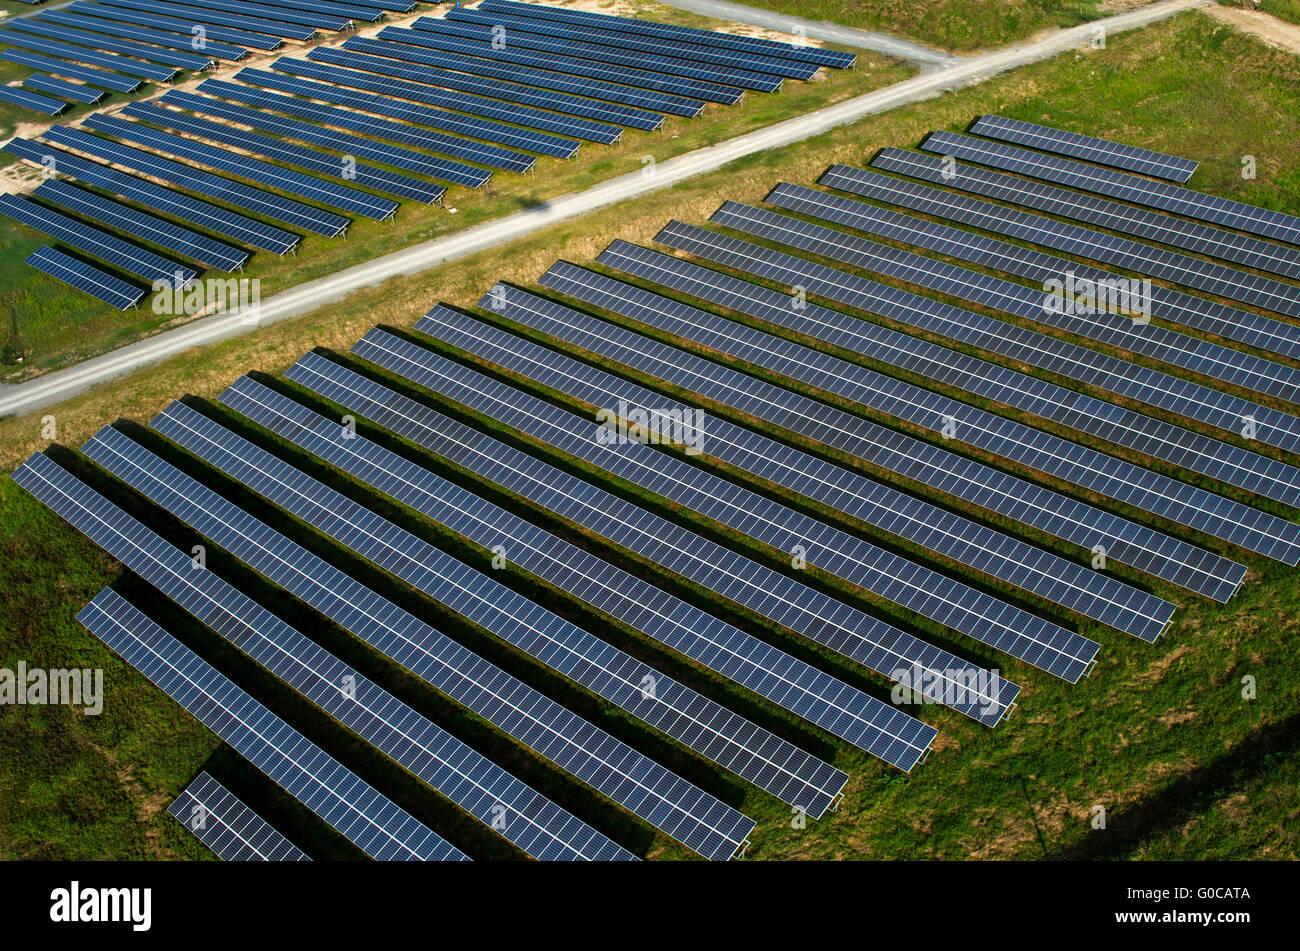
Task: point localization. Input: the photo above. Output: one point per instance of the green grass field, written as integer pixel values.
(1160, 735)
(957, 25)
(49, 325)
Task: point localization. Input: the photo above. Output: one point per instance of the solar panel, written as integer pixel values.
(228, 827)
(884, 574)
(78, 54)
(641, 70)
(134, 260)
(902, 740)
(349, 11)
(151, 53)
(156, 37)
(1139, 222)
(192, 210)
(785, 680)
(1061, 517)
(105, 287)
(255, 170)
(85, 73)
(30, 100)
(635, 69)
(272, 17)
(205, 183)
(1181, 447)
(504, 82)
(1256, 330)
(393, 183)
(731, 741)
(959, 539)
(1128, 157)
(494, 797)
(233, 25)
(1139, 191)
(371, 821)
(61, 87)
(683, 34)
(255, 41)
(1100, 370)
(738, 69)
(140, 225)
(1107, 249)
(353, 144)
(1022, 445)
(395, 82)
(384, 105)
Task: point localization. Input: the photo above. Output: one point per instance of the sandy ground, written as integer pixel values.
(1270, 29)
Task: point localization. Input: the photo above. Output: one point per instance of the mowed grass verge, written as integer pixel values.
(1160, 735)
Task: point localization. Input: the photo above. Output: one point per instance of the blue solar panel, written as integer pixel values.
(683, 34)
(1173, 266)
(423, 47)
(205, 183)
(1153, 437)
(141, 50)
(1101, 151)
(77, 92)
(698, 723)
(1233, 323)
(913, 587)
(192, 210)
(134, 260)
(228, 827)
(582, 44)
(232, 25)
(345, 10)
(85, 73)
(982, 549)
(393, 183)
(458, 172)
(156, 37)
(91, 280)
(375, 824)
(79, 54)
(602, 132)
(256, 41)
(388, 106)
(1100, 370)
(140, 225)
(479, 76)
(272, 17)
(30, 100)
(626, 66)
(487, 792)
(633, 69)
(786, 681)
(255, 170)
(1011, 497)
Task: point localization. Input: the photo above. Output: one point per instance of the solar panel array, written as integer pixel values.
(105, 287)
(1213, 317)
(523, 816)
(140, 225)
(228, 827)
(888, 576)
(97, 77)
(1219, 460)
(1103, 371)
(928, 526)
(77, 92)
(131, 259)
(156, 37)
(791, 683)
(371, 821)
(30, 100)
(249, 31)
(1057, 515)
(175, 24)
(1140, 191)
(766, 592)
(79, 54)
(197, 212)
(143, 51)
(1092, 149)
(698, 723)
